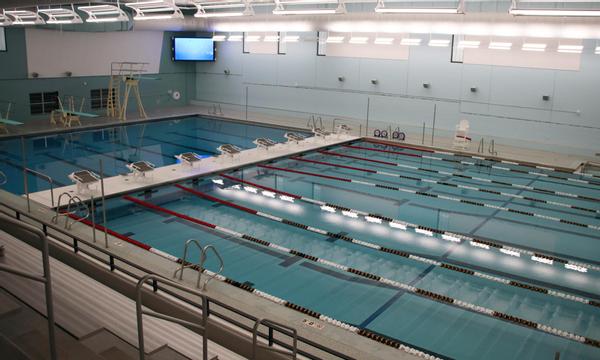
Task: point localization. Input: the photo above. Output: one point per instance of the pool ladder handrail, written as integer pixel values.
(216, 110)
(312, 122)
(481, 146)
(492, 148)
(73, 201)
(203, 252)
(42, 175)
(279, 327)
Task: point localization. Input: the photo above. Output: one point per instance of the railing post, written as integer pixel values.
(103, 205)
(75, 245)
(112, 263)
(270, 336)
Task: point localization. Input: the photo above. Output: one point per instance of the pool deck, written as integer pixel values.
(122, 184)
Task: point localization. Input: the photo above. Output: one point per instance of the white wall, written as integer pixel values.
(95, 51)
(507, 104)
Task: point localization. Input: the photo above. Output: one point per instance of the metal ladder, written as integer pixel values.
(481, 146)
(73, 201)
(203, 256)
(312, 122)
(492, 149)
(216, 110)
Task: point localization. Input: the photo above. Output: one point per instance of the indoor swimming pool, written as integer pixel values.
(459, 257)
(59, 154)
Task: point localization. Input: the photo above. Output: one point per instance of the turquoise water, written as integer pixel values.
(440, 328)
(60, 154)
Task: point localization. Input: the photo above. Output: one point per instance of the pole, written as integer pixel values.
(423, 136)
(103, 205)
(433, 128)
(368, 109)
(25, 182)
(246, 103)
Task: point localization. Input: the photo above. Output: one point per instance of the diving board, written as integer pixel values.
(122, 184)
(4, 122)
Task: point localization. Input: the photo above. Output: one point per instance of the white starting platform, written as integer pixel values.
(122, 184)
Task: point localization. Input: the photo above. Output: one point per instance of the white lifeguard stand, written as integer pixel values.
(462, 141)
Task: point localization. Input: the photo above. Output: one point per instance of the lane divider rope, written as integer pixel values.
(399, 285)
(502, 168)
(466, 187)
(462, 176)
(444, 197)
(424, 230)
(327, 319)
(477, 157)
(406, 254)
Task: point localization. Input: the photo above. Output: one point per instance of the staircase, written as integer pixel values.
(93, 321)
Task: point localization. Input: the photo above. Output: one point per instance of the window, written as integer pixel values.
(43, 103)
(99, 98)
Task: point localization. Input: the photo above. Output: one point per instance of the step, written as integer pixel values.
(108, 345)
(8, 305)
(166, 353)
(10, 350)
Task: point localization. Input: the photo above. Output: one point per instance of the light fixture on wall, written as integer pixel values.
(358, 40)
(104, 13)
(410, 41)
(227, 8)
(539, 47)
(298, 7)
(439, 42)
(570, 49)
(380, 8)
(291, 38)
(515, 10)
(597, 51)
(24, 17)
(384, 40)
(496, 45)
(469, 44)
(219, 38)
(155, 10)
(335, 39)
(252, 38)
(61, 15)
(271, 38)
(235, 38)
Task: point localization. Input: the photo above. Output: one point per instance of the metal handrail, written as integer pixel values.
(203, 260)
(80, 205)
(481, 146)
(111, 262)
(46, 177)
(57, 211)
(492, 148)
(140, 312)
(46, 279)
(185, 264)
(273, 325)
(3, 178)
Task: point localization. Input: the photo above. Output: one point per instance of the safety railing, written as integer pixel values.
(272, 325)
(310, 349)
(140, 312)
(7, 224)
(38, 174)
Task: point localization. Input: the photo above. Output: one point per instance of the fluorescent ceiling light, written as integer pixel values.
(335, 39)
(534, 47)
(439, 42)
(218, 38)
(271, 38)
(469, 44)
(240, 9)
(218, 14)
(305, 12)
(158, 6)
(5, 20)
(252, 38)
(384, 10)
(554, 12)
(24, 17)
(235, 38)
(572, 49)
(410, 42)
(384, 40)
(358, 40)
(494, 45)
(61, 16)
(597, 51)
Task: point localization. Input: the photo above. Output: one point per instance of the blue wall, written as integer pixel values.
(508, 103)
(15, 85)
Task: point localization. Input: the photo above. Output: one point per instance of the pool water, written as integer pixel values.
(60, 154)
(440, 328)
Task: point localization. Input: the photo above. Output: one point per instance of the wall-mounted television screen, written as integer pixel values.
(193, 49)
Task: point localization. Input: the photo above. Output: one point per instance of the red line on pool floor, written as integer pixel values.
(304, 173)
(167, 211)
(381, 150)
(111, 232)
(332, 164)
(212, 198)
